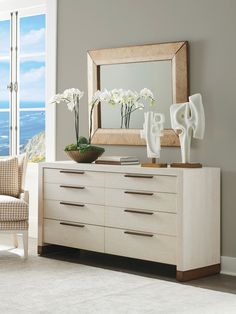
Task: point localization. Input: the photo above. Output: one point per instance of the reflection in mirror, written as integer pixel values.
(156, 76)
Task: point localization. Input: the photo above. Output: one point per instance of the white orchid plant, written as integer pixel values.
(72, 98)
(129, 101)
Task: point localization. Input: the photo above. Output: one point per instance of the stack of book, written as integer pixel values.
(117, 160)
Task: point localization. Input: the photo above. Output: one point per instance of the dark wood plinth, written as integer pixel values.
(154, 165)
(197, 273)
(47, 249)
(52, 248)
(186, 165)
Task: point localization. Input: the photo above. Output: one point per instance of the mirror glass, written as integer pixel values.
(154, 75)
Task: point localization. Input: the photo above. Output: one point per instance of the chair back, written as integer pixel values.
(22, 166)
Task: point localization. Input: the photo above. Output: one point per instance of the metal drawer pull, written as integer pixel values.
(72, 187)
(73, 172)
(138, 212)
(72, 225)
(72, 204)
(138, 176)
(138, 193)
(139, 234)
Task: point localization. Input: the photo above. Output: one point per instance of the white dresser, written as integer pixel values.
(167, 215)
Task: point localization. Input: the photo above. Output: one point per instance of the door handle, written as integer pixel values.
(10, 87)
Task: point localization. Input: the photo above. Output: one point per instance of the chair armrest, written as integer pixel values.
(24, 196)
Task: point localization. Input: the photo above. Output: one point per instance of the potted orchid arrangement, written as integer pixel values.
(82, 150)
(129, 101)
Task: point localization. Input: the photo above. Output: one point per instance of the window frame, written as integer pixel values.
(33, 6)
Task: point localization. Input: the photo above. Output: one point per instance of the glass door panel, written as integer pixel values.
(32, 86)
(32, 34)
(32, 83)
(32, 135)
(5, 38)
(4, 63)
(4, 92)
(4, 81)
(4, 133)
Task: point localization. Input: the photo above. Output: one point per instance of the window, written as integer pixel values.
(4, 81)
(22, 83)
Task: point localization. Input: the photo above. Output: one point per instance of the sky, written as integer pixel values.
(32, 68)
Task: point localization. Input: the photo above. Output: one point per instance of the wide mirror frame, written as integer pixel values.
(176, 52)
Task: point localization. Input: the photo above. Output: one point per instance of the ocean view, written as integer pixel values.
(31, 124)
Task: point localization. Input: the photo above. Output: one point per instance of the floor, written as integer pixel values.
(70, 281)
(219, 282)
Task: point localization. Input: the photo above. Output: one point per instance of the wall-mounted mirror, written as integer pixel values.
(162, 68)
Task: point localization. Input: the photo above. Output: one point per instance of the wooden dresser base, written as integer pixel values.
(180, 275)
(52, 248)
(197, 273)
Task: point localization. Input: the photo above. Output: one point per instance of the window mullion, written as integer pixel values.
(10, 86)
(16, 85)
(14, 72)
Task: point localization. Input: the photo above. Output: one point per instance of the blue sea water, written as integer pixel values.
(31, 123)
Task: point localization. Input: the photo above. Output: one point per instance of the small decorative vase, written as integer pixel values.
(87, 156)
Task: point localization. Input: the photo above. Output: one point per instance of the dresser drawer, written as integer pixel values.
(141, 182)
(80, 236)
(157, 248)
(74, 211)
(77, 177)
(141, 220)
(142, 200)
(74, 193)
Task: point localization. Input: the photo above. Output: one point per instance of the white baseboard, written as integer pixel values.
(33, 227)
(228, 265)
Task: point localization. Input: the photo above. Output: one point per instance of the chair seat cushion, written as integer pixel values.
(13, 209)
(14, 225)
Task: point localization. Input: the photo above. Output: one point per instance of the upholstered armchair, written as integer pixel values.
(14, 200)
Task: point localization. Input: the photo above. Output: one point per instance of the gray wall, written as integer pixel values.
(208, 25)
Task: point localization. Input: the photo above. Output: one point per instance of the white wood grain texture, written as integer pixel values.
(88, 178)
(179, 202)
(40, 205)
(158, 222)
(89, 213)
(71, 165)
(89, 237)
(157, 201)
(155, 183)
(91, 195)
(196, 204)
(200, 219)
(159, 248)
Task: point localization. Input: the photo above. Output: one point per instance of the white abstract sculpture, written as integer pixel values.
(189, 117)
(152, 130)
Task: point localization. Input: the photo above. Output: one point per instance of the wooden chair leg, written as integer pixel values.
(15, 241)
(25, 243)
